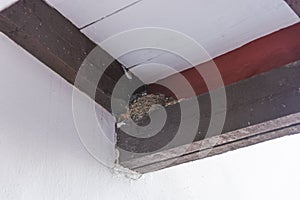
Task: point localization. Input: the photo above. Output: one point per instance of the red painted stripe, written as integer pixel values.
(261, 55)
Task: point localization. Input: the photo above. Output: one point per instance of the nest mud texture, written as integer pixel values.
(142, 105)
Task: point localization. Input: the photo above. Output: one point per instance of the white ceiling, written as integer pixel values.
(5, 3)
(218, 25)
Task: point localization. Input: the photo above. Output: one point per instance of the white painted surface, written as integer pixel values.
(84, 12)
(218, 26)
(6, 3)
(160, 67)
(43, 158)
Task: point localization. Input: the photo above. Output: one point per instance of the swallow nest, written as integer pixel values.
(140, 107)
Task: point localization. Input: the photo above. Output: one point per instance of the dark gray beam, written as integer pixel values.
(261, 108)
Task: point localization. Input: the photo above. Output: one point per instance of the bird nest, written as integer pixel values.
(142, 105)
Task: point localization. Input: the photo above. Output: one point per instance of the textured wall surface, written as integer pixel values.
(42, 157)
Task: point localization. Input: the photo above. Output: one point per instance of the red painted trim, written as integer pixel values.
(261, 55)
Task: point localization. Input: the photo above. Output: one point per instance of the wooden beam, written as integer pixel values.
(224, 146)
(59, 44)
(260, 108)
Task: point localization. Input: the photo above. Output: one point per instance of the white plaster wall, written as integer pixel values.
(42, 157)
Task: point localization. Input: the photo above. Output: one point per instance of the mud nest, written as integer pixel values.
(142, 105)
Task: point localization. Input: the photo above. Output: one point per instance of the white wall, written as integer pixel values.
(42, 157)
